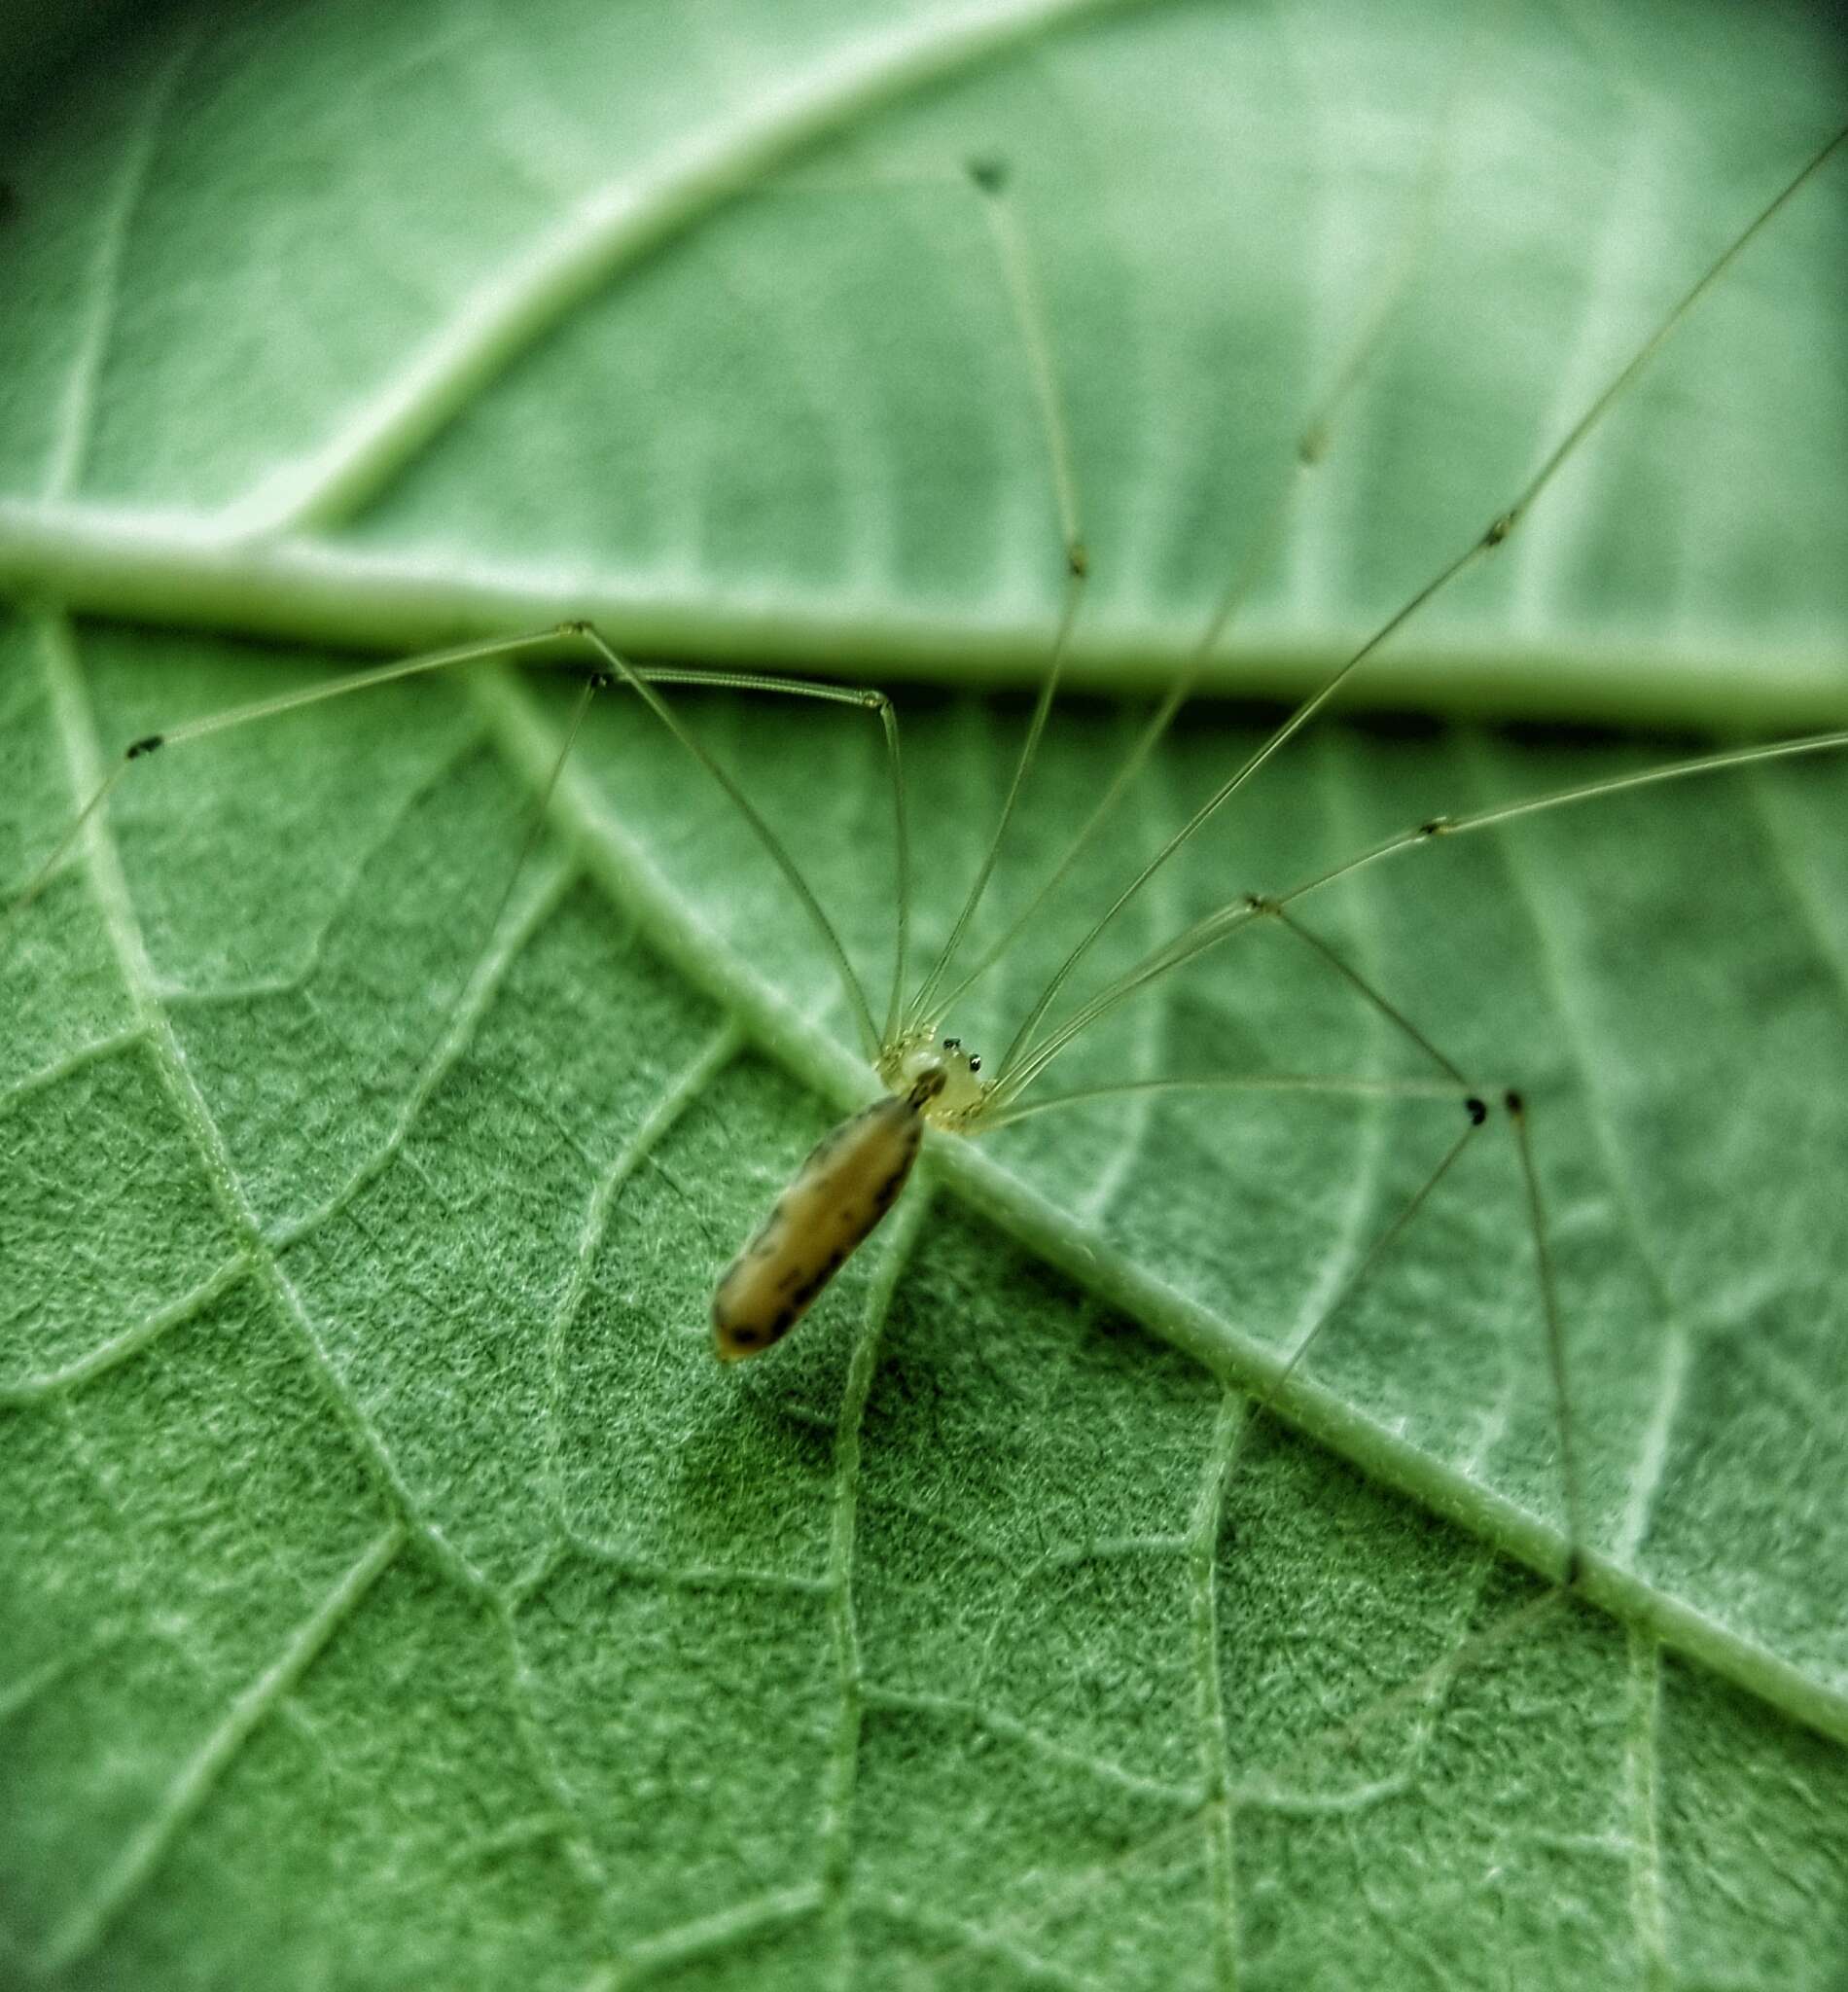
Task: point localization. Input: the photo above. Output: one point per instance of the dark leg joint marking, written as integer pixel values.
(1477, 1110)
(145, 745)
(1513, 1102)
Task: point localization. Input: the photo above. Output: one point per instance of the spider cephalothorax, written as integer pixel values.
(963, 1096)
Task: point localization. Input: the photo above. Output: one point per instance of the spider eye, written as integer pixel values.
(974, 1066)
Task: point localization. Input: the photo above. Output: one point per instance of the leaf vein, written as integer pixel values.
(840, 1773)
(84, 754)
(119, 1348)
(200, 1776)
(719, 1051)
(1220, 1855)
(78, 406)
(611, 229)
(1009, 1729)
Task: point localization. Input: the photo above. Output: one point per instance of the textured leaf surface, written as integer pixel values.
(394, 1591)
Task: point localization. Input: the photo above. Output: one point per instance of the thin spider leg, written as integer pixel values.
(1339, 1084)
(1202, 816)
(1029, 315)
(1234, 914)
(510, 648)
(1435, 826)
(1517, 1112)
(1475, 1107)
(1418, 1688)
(1356, 980)
(1188, 945)
(1312, 447)
(1195, 941)
(59, 851)
(990, 181)
(1485, 542)
(916, 1011)
(1478, 1112)
(257, 710)
(1152, 735)
(1710, 275)
(864, 698)
(773, 846)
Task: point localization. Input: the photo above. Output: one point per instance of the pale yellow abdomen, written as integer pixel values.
(835, 1198)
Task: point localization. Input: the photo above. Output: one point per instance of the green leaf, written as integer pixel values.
(395, 1592)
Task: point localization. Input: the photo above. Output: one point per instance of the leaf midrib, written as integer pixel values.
(179, 570)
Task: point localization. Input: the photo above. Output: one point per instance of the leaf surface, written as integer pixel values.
(395, 1592)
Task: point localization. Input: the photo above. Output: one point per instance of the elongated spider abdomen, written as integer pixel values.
(833, 1204)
